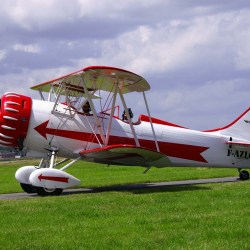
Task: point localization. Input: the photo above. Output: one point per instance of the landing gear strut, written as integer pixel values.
(43, 191)
(244, 175)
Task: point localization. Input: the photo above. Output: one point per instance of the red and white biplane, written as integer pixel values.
(66, 123)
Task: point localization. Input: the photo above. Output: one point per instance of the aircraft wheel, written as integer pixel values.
(28, 188)
(244, 175)
(41, 191)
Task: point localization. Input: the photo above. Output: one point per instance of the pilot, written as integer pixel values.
(86, 108)
(124, 115)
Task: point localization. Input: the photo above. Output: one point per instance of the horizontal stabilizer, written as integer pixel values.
(239, 143)
(126, 155)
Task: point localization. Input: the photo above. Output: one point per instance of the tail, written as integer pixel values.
(239, 128)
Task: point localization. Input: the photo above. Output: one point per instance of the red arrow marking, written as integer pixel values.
(53, 178)
(76, 135)
(42, 129)
(183, 151)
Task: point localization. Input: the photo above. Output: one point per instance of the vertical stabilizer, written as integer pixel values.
(240, 128)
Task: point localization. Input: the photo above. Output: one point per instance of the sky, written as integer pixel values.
(195, 54)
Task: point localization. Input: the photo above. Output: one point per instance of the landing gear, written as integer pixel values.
(28, 188)
(50, 163)
(41, 191)
(46, 179)
(244, 175)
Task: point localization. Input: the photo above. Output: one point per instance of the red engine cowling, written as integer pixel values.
(15, 113)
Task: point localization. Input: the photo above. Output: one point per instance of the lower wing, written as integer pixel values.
(126, 155)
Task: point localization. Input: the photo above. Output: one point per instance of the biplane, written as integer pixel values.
(67, 124)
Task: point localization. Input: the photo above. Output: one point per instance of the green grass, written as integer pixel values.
(210, 216)
(195, 217)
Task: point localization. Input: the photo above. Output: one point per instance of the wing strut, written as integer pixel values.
(57, 97)
(151, 123)
(93, 110)
(111, 114)
(129, 119)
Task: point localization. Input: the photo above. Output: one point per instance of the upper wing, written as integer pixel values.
(98, 78)
(126, 155)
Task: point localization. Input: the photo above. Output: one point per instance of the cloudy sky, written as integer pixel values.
(194, 53)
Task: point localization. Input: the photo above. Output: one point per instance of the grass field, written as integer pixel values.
(210, 216)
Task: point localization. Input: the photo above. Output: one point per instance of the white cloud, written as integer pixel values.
(242, 58)
(29, 48)
(113, 8)
(181, 43)
(2, 54)
(213, 104)
(35, 14)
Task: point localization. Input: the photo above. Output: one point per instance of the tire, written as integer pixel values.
(28, 188)
(48, 192)
(244, 175)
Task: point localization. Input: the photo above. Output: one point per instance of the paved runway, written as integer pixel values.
(131, 187)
